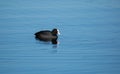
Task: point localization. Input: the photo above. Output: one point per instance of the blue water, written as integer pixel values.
(89, 42)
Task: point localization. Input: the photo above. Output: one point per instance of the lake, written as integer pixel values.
(89, 42)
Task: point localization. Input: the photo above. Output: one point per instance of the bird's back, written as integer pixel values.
(45, 35)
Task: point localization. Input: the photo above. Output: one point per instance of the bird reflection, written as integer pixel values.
(54, 42)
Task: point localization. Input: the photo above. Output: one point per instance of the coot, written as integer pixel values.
(47, 35)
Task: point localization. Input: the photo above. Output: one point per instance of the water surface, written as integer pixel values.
(89, 42)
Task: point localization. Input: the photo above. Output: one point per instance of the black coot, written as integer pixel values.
(47, 35)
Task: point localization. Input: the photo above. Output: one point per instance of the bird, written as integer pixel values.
(47, 35)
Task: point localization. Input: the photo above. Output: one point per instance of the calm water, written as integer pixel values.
(89, 42)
